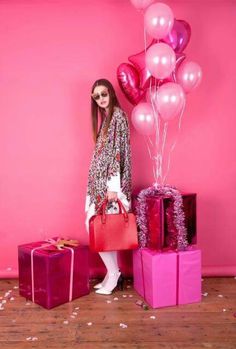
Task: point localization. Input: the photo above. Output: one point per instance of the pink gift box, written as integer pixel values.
(167, 278)
(59, 276)
(189, 278)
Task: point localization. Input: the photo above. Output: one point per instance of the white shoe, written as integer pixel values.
(101, 284)
(102, 290)
(110, 284)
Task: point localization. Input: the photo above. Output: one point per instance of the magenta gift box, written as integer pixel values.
(155, 276)
(53, 282)
(160, 220)
(189, 279)
(167, 278)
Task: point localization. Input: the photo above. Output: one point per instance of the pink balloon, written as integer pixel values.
(170, 100)
(143, 119)
(129, 81)
(189, 75)
(160, 60)
(158, 20)
(141, 4)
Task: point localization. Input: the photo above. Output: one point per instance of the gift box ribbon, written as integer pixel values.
(60, 244)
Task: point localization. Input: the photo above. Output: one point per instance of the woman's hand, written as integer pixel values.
(112, 196)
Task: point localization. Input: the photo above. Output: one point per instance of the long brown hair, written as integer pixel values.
(95, 108)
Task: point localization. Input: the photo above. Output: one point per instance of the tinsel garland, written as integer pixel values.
(179, 217)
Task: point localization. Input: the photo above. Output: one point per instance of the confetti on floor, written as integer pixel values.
(109, 302)
(32, 338)
(124, 295)
(28, 303)
(220, 296)
(123, 325)
(89, 323)
(205, 294)
(77, 308)
(152, 317)
(116, 299)
(130, 296)
(12, 299)
(65, 322)
(16, 287)
(72, 316)
(224, 310)
(74, 313)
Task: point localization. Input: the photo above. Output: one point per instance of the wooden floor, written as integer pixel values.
(116, 321)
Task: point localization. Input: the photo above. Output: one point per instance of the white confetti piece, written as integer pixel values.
(1, 297)
(220, 295)
(1, 308)
(205, 294)
(77, 308)
(65, 322)
(124, 295)
(89, 323)
(152, 317)
(6, 294)
(12, 299)
(224, 309)
(74, 313)
(16, 287)
(28, 303)
(109, 302)
(202, 279)
(130, 296)
(128, 286)
(28, 338)
(4, 301)
(10, 291)
(115, 299)
(34, 338)
(123, 325)
(72, 316)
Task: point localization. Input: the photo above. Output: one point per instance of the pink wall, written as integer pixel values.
(50, 53)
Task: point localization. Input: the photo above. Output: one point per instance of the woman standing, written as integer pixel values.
(110, 169)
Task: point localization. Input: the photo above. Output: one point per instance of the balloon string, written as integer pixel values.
(163, 148)
(148, 139)
(174, 143)
(152, 93)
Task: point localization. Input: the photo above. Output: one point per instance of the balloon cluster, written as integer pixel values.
(160, 76)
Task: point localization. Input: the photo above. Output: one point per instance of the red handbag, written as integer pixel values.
(113, 232)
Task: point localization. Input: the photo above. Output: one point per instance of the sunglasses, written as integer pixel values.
(97, 96)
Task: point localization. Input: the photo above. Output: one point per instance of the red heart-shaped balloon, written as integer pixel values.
(129, 82)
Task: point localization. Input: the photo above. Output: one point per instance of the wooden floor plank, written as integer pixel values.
(209, 324)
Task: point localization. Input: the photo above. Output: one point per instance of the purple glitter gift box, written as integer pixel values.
(161, 230)
(52, 277)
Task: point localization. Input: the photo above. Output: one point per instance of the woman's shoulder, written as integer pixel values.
(119, 115)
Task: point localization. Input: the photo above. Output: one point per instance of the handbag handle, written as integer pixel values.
(121, 207)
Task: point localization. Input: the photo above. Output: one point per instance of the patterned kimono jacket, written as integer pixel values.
(110, 168)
